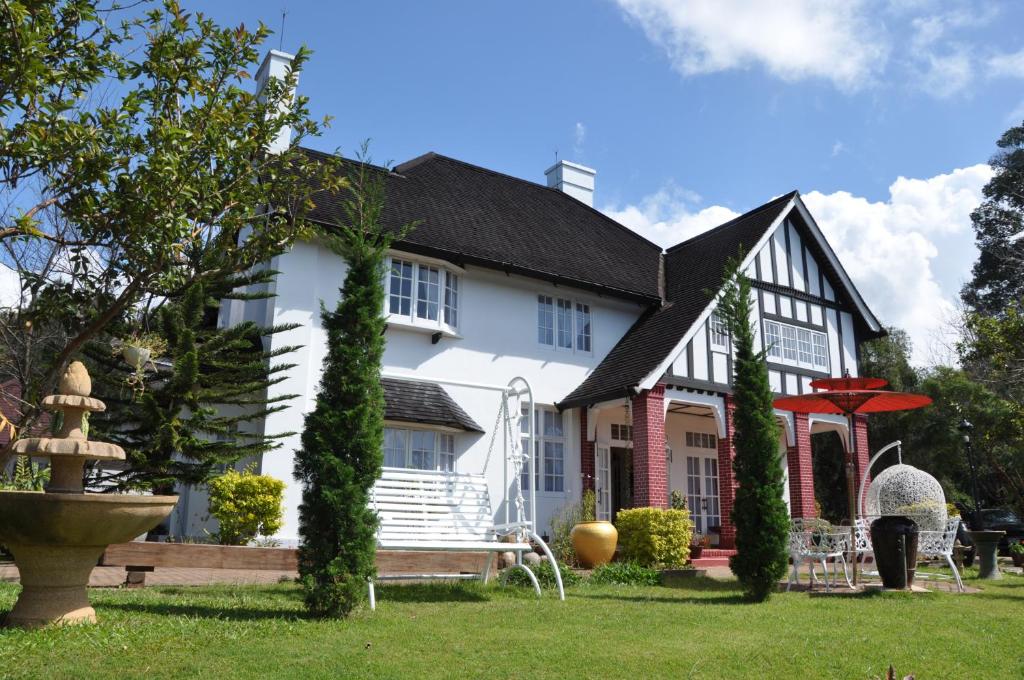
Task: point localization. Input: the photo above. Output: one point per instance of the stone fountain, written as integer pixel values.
(57, 537)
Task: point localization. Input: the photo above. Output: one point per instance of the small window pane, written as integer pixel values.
(564, 310)
(789, 343)
(552, 424)
(428, 293)
(395, 447)
(545, 320)
(773, 339)
(400, 297)
(446, 452)
(820, 351)
(422, 450)
(719, 332)
(554, 474)
(451, 299)
(804, 341)
(582, 327)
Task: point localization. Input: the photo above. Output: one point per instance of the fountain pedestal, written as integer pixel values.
(57, 537)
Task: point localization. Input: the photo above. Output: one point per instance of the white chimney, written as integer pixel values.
(276, 65)
(574, 179)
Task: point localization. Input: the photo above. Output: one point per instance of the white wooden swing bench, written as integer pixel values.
(447, 512)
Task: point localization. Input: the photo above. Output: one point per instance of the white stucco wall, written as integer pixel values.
(498, 342)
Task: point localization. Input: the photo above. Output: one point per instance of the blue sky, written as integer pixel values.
(693, 110)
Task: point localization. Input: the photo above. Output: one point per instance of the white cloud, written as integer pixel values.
(835, 40)
(838, 148)
(10, 287)
(1007, 65)
(908, 255)
(579, 136)
(668, 217)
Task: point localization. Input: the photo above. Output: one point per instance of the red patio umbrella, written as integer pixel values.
(849, 396)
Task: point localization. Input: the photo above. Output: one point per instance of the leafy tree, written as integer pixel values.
(134, 162)
(196, 410)
(998, 275)
(342, 442)
(759, 512)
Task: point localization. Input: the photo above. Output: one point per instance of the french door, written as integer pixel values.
(603, 482)
(702, 493)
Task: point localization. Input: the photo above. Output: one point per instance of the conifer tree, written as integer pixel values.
(190, 416)
(341, 453)
(759, 512)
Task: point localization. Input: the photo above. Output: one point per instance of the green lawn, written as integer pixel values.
(465, 630)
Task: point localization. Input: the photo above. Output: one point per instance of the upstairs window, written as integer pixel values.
(719, 332)
(564, 324)
(422, 295)
(796, 346)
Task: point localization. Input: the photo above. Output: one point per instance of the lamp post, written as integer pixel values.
(967, 429)
(986, 542)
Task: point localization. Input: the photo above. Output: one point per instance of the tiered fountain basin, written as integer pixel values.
(57, 537)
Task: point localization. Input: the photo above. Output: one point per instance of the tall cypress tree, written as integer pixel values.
(341, 453)
(759, 512)
(190, 418)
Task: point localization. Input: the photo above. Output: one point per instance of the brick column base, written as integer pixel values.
(650, 478)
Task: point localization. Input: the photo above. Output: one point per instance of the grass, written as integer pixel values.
(467, 630)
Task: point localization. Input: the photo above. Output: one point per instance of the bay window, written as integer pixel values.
(419, 449)
(422, 295)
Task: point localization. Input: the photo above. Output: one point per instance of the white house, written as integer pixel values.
(629, 365)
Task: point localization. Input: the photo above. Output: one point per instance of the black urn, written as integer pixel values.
(894, 540)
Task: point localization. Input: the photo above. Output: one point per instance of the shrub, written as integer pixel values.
(28, 476)
(246, 505)
(1017, 548)
(564, 519)
(677, 501)
(545, 576)
(625, 574)
(588, 506)
(654, 537)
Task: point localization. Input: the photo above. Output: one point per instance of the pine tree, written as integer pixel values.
(190, 417)
(341, 453)
(759, 512)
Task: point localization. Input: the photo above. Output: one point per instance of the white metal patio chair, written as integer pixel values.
(815, 541)
(939, 545)
(447, 512)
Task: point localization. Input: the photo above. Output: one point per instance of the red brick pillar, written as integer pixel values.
(586, 453)
(650, 478)
(801, 469)
(727, 479)
(862, 454)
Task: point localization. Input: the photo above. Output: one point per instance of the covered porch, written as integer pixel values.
(636, 451)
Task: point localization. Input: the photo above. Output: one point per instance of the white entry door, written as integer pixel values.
(693, 493)
(603, 482)
(712, 513)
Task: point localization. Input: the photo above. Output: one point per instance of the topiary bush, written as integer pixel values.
(653, 537)
(247, 505)
(625, 574)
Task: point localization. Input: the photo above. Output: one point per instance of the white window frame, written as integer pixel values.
(789, 345)
(541, 452)
(444, 446)
(707, 441)
(565, 323)
(718, 332)
(616, 430)
(446, 293)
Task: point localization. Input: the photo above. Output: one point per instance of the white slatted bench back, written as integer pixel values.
(432, 507)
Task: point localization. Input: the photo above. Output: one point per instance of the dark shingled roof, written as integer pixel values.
(411, 401)
(693, 270)
(471, 215)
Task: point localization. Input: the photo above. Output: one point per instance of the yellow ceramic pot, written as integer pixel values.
(594, 542)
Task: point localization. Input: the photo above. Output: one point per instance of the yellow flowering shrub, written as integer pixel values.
(246, 505)
(654, 537)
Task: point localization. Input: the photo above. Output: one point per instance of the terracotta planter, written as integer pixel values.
(696, 551)
(594, 542)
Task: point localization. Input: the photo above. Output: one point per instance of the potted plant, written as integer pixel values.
(593, 540)
(698, 544)
(1017, 553)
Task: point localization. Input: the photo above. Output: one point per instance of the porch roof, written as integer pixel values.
(693, 272)
(424, 403)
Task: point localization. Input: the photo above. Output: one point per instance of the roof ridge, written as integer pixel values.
(433, 155)
(724, 225)
(354, 161)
